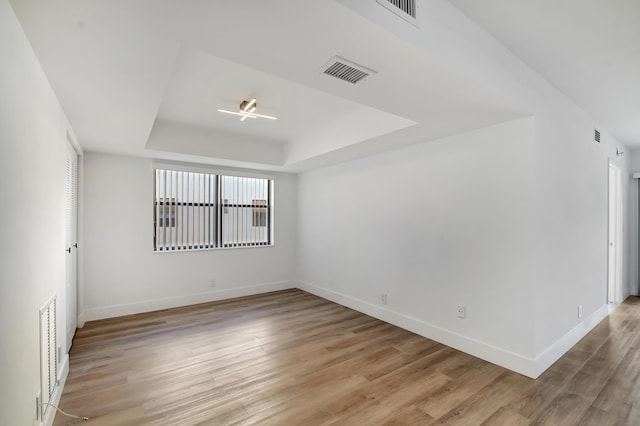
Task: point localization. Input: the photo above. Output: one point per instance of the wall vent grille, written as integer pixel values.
(406, 9)
(48, 354)
(596, 135)
(346, 70)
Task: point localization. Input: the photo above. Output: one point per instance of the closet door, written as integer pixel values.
(71, 219)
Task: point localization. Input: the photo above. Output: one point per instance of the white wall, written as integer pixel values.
(32, 181)
(434, 225)
(567, 259)
(634, 219)
(510, 221)
(123, 275)
(572, 174)
(215, 143)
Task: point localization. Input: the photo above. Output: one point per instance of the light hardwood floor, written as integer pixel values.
(291, 358)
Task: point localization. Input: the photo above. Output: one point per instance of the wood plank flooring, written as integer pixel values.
(291, 358)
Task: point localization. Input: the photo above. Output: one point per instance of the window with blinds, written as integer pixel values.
(199, 211)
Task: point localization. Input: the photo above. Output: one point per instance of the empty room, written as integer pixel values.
(356, 212)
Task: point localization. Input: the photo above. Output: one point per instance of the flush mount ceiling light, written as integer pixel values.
(246, 110)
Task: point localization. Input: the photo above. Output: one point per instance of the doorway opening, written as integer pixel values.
(614, 282)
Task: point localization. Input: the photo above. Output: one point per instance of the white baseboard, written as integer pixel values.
(512, 361)
(92, 314)
(566, 342)
(530, 367)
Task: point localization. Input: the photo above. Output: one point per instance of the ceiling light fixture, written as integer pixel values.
(248, 106)
(247, 109)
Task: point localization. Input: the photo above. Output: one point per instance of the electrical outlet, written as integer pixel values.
(383, 298)
(579, 311)
(461, 311)
(212, 283)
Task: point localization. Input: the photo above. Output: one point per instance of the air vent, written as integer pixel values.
(596, 135)
(406, 9)
(48, 355)
(346, 70)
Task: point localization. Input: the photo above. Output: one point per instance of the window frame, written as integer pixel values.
(218, 205)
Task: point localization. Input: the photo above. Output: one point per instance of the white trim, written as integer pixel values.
(615, 251)
(611, 307)
(80, 249)
(259, 246)
(566, 342)
(521, 364)
(526, 366)
(174, 302)
(485, 351)
(73, 140)
(204, 168)
(81, 319)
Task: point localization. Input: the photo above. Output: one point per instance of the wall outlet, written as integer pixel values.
(579, 311)
(461, 311)
(212, 283)
(383, 298)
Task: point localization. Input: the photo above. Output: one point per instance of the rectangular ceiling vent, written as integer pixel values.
(406, 9)
(596, 135)
(346, 70)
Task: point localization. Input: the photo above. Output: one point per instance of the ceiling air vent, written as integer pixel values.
(406, 9)
(346, 70)
(596, 135)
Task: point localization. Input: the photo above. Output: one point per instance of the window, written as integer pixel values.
(198, 211)
(259, 213)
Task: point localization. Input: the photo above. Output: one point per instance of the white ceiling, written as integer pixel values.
(590, 50)
(201, 83)
(145, 77)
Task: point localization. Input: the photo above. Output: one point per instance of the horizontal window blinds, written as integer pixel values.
(195, 211)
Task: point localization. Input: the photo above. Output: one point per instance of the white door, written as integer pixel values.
(71, 218)
(614, 285)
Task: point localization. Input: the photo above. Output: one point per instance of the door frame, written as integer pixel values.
(71, 241)
(614, 234)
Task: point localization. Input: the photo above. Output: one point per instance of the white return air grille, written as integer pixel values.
(48, 354)
(406, 9)
(346, 70)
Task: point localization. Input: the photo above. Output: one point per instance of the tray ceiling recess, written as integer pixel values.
(246, 110)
